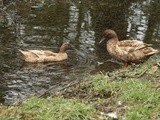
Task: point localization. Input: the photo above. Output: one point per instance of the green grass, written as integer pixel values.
(56, 108)
(139, 96)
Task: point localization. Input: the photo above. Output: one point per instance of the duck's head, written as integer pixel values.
(65, 46)
(108, 34)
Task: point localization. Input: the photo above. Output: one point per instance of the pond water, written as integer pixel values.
(47, 24)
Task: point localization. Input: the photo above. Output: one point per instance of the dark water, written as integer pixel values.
(50, 23)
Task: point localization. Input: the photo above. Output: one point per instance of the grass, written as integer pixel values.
(131, 94)
(56, 108)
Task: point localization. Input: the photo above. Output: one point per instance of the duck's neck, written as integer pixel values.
(62, 50)
(113, 40)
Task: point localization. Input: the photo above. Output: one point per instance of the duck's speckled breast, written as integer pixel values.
(116, 52)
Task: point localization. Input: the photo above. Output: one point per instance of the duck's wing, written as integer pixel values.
(49, 53)
(132, 45)
(28, 53)
(43, 52)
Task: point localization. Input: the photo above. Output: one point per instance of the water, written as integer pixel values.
(46, 25)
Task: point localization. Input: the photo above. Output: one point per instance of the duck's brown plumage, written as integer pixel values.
(36, 56)
(127, 50)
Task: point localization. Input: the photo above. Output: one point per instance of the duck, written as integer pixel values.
(127, 51)
(41, 56)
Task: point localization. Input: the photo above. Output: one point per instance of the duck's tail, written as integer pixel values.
(21, 51)
(154, 52)
(157, 51)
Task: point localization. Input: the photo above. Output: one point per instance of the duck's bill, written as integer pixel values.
(73, 47)
(103, 38)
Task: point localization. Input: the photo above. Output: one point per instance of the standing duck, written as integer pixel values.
(127, 51)
(37, 56)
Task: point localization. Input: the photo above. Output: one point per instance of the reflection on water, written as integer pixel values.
(137, 21)
(81, 23)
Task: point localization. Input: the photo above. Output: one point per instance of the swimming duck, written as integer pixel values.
(36, 56)
(127, 51)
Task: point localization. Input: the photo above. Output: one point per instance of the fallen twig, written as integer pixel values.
(44, 94)
(141, 74)
(158, 63)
